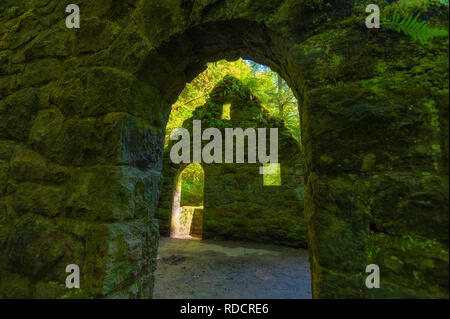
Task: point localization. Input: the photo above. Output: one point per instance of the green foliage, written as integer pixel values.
(71, 293)
(272, 179)
(196, 92)
(409, 25)
(413, 242)
(292, 123)
(116, 28)
(273, 93)
(422, 5)
(403, 16)
(13, 9)
(211, 116)
(425, 3)
(76, 294)
(192, 184)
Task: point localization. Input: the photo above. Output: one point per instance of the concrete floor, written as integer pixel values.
(193, 269)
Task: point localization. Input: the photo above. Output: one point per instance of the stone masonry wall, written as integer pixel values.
(83, 115)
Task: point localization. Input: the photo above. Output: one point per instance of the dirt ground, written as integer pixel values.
(193, 269)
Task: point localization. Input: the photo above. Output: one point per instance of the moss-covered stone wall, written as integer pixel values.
(237, 205)
(82, 120)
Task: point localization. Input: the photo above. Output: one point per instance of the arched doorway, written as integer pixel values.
(245, 212)
(187, 205)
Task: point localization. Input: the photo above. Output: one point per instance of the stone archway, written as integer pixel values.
(83, 114)
(237, 203)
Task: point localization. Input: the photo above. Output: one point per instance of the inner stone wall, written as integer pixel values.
(236, 203)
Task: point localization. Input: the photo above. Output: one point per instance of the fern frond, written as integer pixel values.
(411, 26)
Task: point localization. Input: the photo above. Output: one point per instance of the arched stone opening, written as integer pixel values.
(238, 205)
(82, 130)
(240, 210)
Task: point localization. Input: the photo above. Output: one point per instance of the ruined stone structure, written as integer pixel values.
(82, 123)
(236, 203)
